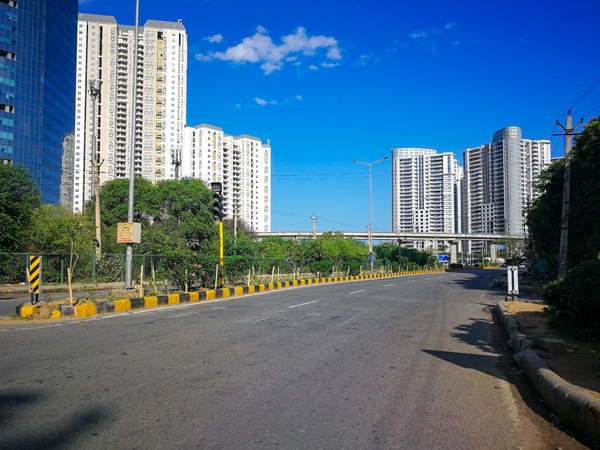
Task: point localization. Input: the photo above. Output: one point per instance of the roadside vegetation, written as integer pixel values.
(180, 240)
(574, 303)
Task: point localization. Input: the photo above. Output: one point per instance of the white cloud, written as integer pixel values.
(299, 97)
(238, 106)
(364, 59)
(263, 102)
(324, 64)
(216, 38)
(201, 57)
(424, 37)
(313, 67)
(261, 48)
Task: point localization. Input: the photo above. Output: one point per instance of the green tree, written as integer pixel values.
(56, 229)
(545, 215)
(18, 199)
(114, 202)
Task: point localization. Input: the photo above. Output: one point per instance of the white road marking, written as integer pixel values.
(388, 285)
(344, 323)
(357, 292)
(426, 278)
(411, 281)
(302, 304)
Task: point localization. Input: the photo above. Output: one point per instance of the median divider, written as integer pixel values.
(115, 306)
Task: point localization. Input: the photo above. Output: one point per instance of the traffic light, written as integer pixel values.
(217, 206)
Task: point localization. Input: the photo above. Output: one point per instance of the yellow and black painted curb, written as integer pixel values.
(116, 306)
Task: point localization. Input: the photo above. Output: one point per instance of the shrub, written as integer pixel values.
(235, 268)
(574, 303)
(322, 267)
(353, 266)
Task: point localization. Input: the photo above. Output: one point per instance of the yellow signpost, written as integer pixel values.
(35, 277)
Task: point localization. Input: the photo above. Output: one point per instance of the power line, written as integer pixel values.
(586, 93)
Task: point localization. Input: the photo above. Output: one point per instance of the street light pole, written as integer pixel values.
(370, 206)
(129, 256)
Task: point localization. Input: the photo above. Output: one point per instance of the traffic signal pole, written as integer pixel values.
(217, 211)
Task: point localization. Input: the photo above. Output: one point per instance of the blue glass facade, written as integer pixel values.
(37, 87)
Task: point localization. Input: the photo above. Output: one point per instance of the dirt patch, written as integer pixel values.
(578, 365)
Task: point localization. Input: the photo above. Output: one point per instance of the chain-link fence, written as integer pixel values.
(111, 267)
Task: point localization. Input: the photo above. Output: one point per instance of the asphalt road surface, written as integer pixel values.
(397, 363)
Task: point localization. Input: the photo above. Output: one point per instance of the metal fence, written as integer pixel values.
(111, 267)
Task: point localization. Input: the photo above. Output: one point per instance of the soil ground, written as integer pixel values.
(579, 365)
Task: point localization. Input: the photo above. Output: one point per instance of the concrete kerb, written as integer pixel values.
(25, 310)
(568, 401)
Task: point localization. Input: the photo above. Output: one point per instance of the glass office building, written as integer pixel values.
(38, 44)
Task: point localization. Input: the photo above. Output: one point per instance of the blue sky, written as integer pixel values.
(333, 81)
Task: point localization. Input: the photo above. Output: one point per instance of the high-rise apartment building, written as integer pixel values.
(499, 182)
(425, 185)
(241, 163)
(37, 89)
(104, 122)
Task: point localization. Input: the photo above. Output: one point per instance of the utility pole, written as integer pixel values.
(129, 256)
(176, 161)
(370, 206)
(564, 224)
(234, 224)
(314, 226)
(95, 94)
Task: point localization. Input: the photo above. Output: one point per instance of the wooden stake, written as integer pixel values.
(70, 285)
(154, 280)
(216, 276)
(248, 278)
(272, 274)
(186, 281)
(141, 289)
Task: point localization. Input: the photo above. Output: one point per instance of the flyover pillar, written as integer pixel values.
(453, 252)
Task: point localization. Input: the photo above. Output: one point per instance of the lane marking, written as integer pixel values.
(426, 278)
(388, 285)
(302, 304)
(344, 323)
(357, 292)
(411, 281)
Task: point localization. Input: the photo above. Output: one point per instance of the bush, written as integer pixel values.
(324, 268)
(456, 266)
(235, 268)
(574, 304)
(353, 266)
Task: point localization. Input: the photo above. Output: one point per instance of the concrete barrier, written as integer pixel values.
(568, 401)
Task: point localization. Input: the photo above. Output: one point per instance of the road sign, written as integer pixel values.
(35, 273)
(443, 258)
(513, 280)
(500, 247)
(35, 277)
(129, 233)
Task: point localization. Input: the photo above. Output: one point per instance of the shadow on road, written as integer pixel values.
(36, 436)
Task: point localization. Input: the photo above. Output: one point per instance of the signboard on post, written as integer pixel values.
(443, 258)
(129, 233)
(513, 280)
(35, 277)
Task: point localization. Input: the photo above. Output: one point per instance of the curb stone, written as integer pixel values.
(124, 305)
(568, 401)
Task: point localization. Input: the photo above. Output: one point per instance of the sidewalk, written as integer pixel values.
(50, 288)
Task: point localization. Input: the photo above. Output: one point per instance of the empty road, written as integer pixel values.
(397, 363)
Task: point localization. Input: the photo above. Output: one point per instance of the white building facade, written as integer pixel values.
(241, 163)
(104, 123)
(425, 186)
(499, 183)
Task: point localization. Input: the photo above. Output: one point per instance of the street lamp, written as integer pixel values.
(370, 206)
(129, 257)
